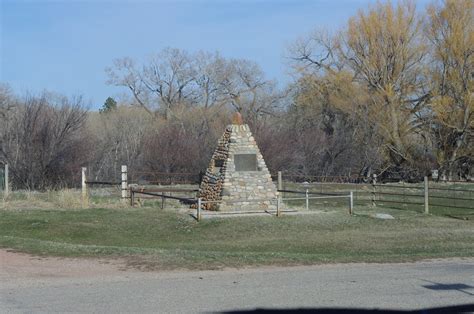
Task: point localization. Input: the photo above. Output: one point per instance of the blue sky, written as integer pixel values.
(64, 46)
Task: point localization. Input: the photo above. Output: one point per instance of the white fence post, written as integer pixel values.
(124, 183)
(198, 213)
(280, 181)
(307, 199)
(351, 202)
(7, 184)
(427, 210)
(84, 186)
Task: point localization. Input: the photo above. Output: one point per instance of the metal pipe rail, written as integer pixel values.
(453, 206)
(452, 198)
(398, 194)
(240, 200)
(452, 190)
(153, 182)
(398, 202)
(307, 198)
(135, 189)
(278, 200)
(166, 196)
(311, 193)
(163, 196)
(167, 173)
(103, 183)
(315, 197)
(398, 186)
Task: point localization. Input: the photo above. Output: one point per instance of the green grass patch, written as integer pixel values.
(151, 238)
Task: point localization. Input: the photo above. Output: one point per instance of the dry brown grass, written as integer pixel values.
(64, 199)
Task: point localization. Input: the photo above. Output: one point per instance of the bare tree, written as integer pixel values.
(40, 140)
(175, 78)
(119, 139)
(7, 100)
(161, 84)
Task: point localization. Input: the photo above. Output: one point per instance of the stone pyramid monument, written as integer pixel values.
(237, 175)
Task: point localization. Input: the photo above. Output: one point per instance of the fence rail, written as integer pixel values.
(432, 195)
(184, 199)
(102, 183)
(435, 197)
(399, 186)
(310, 192)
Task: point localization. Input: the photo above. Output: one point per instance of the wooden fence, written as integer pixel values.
(429, 197)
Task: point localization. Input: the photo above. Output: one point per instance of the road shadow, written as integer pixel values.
(466, 308)
(461, 287)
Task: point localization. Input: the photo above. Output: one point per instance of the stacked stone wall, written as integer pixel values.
(212, 181)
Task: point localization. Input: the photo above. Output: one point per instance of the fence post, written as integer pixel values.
(198, 213)
(124, 183)
(307, 199)
(374, 189)
(280, 183)
(7, 183)
(351, 202)
(280, 194)
(84, 187)
(427, 210)
(132, 198)
(278, 206)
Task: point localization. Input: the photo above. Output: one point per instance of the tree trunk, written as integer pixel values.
(454, 155)
(398, 151)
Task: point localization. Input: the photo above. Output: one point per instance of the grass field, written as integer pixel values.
(54, 223)
(151, 238)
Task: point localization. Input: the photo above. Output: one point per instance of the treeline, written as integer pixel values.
(390, 94)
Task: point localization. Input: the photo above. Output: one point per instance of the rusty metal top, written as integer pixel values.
(237, 119)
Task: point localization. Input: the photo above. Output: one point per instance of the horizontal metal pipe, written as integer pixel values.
(166, 196)
(451, 190)
(399, 186)
(309, 192)
(240, 200)
(452, 198)
(103, 183)
(452, 206)
(398, 202)
(315, 198)
(400, 194)
(164, 190)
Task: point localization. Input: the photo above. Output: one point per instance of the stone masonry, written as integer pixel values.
(237, 175)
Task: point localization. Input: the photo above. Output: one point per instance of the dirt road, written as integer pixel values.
(32, 284)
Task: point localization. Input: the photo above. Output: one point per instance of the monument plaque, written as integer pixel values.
(245, 162)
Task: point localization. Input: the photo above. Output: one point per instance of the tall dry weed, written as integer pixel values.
(67, 198)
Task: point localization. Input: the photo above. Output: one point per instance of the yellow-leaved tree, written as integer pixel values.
(450, 30)
(383, 50)
(374, 70)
